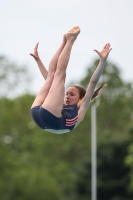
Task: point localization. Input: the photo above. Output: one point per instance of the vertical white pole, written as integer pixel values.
(93, 153)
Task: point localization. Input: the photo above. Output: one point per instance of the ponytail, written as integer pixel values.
(96, 93)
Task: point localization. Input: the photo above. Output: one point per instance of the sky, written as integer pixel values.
(23, 23)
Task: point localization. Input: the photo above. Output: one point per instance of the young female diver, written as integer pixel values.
(50, 110)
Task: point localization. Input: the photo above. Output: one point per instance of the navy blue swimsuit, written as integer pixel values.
(46, 120)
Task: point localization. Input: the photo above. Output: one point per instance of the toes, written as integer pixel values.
(74, 29)
(71, 31)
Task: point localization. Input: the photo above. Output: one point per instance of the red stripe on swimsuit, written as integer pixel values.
(71, 122)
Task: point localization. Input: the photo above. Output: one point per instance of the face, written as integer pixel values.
(72, 96)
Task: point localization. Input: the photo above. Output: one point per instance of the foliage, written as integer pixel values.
(40, 165)
(129, 162)
(35, 164)
(13, 78)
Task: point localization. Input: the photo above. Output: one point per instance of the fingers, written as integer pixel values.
(96, 51)
(31, 54)
(107, 46)
(35, 54)
(36, 47)
(110, 49)
(105, 51)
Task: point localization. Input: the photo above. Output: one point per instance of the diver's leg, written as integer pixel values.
(55, 98)
(40, 98)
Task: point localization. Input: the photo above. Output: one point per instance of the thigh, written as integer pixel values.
(42, 94)
(55, 98)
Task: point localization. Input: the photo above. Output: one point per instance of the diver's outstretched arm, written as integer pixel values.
(85, 102)
(41, 66)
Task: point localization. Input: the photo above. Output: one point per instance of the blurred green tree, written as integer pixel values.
(129, 162)
(14, 78)
(114, 120)
(40, 165)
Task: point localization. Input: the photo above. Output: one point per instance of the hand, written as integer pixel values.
(105, 52)
(35, 55)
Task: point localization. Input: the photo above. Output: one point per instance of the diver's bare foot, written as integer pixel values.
(73, 33)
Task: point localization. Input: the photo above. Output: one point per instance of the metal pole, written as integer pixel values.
(93, 153)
